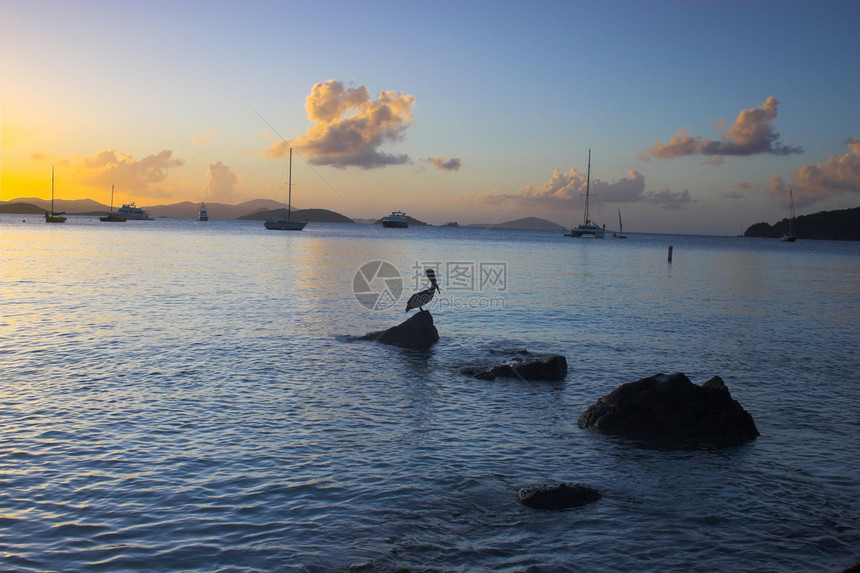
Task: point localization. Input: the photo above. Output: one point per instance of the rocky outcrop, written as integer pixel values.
(549, 367)
(674, 411)
(557, 496)
(418, 331)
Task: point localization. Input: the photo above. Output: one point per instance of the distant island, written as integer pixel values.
(843, 225)
(254, 210)
(309, 215)
(21, 209)
(532, 223)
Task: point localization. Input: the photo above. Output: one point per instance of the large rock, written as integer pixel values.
(550, 367)
(418, 331)
(671, 409)
(557, 496)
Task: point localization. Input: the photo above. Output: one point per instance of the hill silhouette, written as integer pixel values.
(70, 206)
(256, 209)
(21, 208)
(532, 223)
(842, 225)
(309, 215)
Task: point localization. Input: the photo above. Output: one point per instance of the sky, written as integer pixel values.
(700, 116)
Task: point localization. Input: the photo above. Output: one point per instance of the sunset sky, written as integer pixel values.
(700, 116)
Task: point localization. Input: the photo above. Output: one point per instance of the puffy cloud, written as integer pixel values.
(669, 199)
(565, 189)
(626, 190)
(730, 194)
(110, 166)
(440, 163)
(818, 181)
(560, 189)
(752, 133)
(349, 127)
(222, 182)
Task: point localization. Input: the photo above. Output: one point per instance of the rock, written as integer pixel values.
(559, 496)
(672, 410)
(418, 331)
(550, 367)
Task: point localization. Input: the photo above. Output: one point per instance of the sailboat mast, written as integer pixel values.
(791, 210)
(290, 189)
(52, 191)
(111, 198)
(587, 186)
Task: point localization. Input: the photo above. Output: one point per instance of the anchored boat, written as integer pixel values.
(588, 228)
(287, 224)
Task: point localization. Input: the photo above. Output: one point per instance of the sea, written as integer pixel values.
(186, 396)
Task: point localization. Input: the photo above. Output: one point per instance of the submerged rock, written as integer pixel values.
(418, 331)
(558, 496)
(550, 367)
(671, 409)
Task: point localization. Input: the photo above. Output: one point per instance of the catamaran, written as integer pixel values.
(588, 228)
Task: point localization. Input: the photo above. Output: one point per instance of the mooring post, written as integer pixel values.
(670, 253)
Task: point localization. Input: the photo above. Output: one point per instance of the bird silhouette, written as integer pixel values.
(420, 298)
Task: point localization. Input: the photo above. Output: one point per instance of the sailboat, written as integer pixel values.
(53, 217)
(287, 224)
(620, 234)
(112, 217)
(790, 236)
(588, 228)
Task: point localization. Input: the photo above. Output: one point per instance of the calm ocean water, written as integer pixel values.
(187, 396)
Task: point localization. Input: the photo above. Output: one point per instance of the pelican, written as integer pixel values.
(420, 298)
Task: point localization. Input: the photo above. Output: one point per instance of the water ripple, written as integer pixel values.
(163, 415)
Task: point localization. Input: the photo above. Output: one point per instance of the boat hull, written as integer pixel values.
(587, 232)
(284, 225)
(112, 218)
(397, 220)
(132, 213)
(395, 224)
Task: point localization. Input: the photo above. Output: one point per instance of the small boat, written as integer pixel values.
(588, 228)
(53, 217)
(203, 215)
(397, 220)
(132, 212)
(112, 217)
(287, 224)
(790, 236)
(620, 234)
